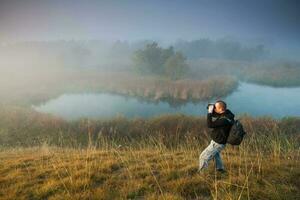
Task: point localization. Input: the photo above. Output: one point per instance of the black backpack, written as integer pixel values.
(236, 133)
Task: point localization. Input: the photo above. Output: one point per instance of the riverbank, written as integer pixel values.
(207, 79)
(25, 127)
(37, 86)
(269, 72)
(275, 74)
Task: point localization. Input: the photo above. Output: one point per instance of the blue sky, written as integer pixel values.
(271, 21)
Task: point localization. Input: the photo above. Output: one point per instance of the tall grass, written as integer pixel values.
(26, 127)
(48, 158)
(151, 171)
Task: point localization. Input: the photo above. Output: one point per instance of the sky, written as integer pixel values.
(271, 21)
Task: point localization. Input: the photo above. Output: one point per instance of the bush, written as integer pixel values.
(158, 61)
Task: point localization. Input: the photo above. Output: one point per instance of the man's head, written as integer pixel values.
(220, 107)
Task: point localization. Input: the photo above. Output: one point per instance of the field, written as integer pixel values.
(44, 157)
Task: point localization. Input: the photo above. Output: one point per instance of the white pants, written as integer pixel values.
(212, 151)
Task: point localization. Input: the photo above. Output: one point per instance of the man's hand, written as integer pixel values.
(210, 108)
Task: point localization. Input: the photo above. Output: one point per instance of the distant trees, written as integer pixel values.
(155, 60)
(117, 55)
(221, 48)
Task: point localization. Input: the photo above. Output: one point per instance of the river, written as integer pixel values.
(255, 100)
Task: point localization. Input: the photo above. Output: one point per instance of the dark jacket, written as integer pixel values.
(221, 126)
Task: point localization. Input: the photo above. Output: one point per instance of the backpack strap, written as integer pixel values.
(230, 121)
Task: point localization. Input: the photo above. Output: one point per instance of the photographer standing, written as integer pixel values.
(220, 131)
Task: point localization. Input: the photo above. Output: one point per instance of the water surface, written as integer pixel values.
(252, 99)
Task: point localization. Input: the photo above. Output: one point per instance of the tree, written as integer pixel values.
(159, 61)
(150, 59)
(175, 66)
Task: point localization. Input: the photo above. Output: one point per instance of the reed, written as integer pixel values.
(18, 90)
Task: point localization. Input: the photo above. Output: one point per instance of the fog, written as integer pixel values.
(91, 29)
(117, 54)
(48, 48)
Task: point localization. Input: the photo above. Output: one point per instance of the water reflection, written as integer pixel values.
(253, 99)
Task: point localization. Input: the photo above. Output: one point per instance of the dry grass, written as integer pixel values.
(157, 158)
(147, 173)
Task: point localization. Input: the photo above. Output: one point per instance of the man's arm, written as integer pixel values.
(217, 123)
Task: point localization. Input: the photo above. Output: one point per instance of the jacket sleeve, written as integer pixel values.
(217, 123)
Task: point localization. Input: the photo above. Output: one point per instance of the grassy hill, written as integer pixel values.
(44, 157)
(148, 173)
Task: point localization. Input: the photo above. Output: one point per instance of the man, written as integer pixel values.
(220, 131)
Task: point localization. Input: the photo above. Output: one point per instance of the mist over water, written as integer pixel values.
(74, 54)
(252, 99)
